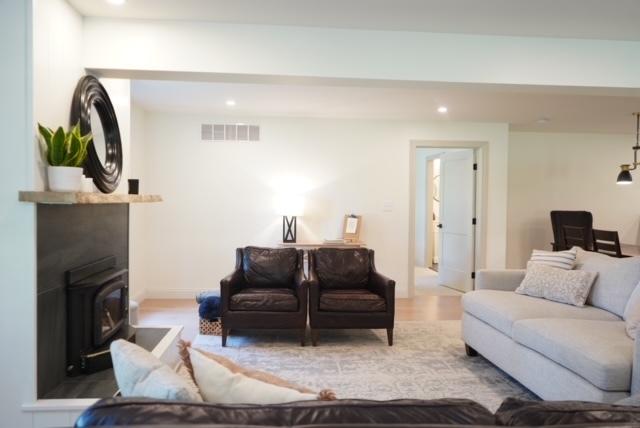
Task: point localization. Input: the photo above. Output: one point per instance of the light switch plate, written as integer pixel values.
(387, 206)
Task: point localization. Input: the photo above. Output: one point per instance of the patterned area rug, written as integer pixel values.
(426, 361)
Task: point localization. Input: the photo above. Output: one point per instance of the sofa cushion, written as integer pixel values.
(269, 267)
(264, 299)
(599, 351)
(342, 268)
(616, 279)
(501, 309)
(517, 412)
(358, 300)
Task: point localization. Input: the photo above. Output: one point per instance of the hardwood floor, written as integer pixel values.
(185, 312)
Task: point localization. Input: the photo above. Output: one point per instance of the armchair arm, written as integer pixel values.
(301, 287)
(230, 285)
(383, 287)
(313, 284)
(504, 280)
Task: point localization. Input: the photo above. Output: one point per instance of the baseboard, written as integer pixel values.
(172, 293)
(138, 297)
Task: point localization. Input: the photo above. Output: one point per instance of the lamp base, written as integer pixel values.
(289, 229)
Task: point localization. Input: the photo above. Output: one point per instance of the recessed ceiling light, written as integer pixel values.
(442, 109)
(543, 120)
(230, 103)
(117, 2)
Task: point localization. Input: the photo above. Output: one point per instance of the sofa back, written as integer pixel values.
(616, 280)
(269, 267)
(342, 268)
(144, 412)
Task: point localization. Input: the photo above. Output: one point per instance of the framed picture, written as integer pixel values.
(351, 228)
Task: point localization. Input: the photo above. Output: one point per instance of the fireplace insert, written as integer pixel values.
(98, 313)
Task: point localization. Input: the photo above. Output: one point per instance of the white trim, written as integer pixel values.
(174, 293)
(482, 186)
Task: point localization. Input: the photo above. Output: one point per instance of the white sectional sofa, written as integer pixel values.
(558, 351)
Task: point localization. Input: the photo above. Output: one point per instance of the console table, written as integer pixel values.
(313, 245)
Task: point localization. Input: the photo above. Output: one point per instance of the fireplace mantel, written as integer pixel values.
(70, 198)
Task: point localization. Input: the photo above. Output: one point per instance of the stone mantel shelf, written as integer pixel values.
(69, 198)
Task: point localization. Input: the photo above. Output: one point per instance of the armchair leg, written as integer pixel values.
(470, 351)
(225, 333)
(303, 336)
(390, 336)
(314, 337)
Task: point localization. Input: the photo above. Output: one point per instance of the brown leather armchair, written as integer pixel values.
(346, 291)
(267, 290)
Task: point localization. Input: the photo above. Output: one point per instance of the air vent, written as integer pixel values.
(206, 132)
(230, 132)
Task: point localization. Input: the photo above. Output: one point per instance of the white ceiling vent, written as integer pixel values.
(230, 132)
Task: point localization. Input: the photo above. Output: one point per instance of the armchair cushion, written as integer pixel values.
(265, 299)
(357, 300)
(342, 269)
(269, 267)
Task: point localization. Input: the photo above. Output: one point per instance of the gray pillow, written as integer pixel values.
(617, 278)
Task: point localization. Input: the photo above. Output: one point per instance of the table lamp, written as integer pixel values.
(290, 206)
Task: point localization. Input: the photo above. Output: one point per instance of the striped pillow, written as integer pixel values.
(558, 259)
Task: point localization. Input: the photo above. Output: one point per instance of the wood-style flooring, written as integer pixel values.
(422, 307)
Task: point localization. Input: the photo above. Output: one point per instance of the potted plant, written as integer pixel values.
(66, 153)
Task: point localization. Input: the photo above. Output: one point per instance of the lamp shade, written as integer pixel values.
(624, 177)
(290, 205)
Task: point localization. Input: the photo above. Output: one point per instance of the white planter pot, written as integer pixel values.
(64, 178)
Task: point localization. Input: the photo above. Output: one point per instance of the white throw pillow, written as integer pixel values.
(140, 374)
(559, 285)
(632, 313)
(218, 384)
(558, 259)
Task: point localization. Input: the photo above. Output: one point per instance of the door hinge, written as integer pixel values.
(473, 221)
(473, 275)
(475, 166)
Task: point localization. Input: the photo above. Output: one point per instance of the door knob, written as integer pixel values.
(439, 225)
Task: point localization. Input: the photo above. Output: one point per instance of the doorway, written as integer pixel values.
(446, 206)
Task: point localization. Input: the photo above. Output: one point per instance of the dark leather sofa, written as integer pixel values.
(267, 290)
(346, 291)
(356, 413)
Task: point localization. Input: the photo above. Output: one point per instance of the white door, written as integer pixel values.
(457, 213)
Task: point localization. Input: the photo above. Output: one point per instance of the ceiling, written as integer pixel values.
(566, 112)
(593, 19)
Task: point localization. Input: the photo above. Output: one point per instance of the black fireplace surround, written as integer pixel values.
(98, 313)
(83, 261)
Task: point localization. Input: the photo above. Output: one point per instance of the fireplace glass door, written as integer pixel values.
(110, 304)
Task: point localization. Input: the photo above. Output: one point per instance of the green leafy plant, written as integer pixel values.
(65, 148)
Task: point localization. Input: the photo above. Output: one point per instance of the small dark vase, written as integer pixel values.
(134, 186)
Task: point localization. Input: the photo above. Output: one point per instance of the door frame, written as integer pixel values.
(482, 159)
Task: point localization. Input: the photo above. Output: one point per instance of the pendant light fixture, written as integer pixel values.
(624, 177)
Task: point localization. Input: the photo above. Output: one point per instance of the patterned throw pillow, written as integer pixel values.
(558, 259)
(559, 285)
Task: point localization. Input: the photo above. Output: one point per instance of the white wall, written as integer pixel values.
(549, 171)
(57, 62)
(218, 196)
(200, 47)
(138, 213)
(17, 220)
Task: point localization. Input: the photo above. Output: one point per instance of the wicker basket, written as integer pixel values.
(210, 328)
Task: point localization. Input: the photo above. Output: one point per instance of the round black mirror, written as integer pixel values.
(92, 108)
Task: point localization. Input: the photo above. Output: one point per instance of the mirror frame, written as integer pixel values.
(90, 92)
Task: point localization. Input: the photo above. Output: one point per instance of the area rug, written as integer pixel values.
(426, 361)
